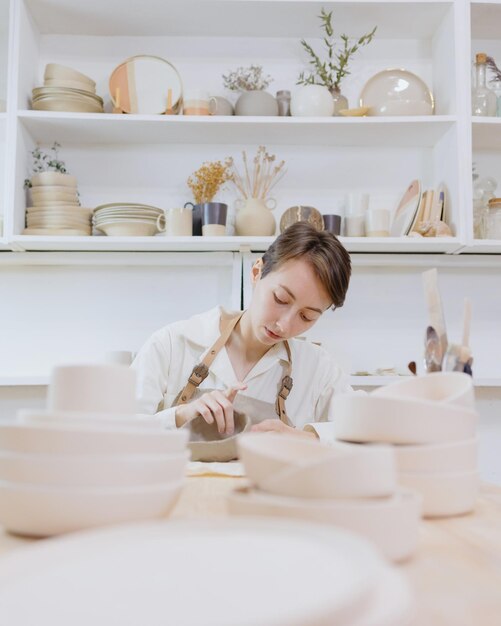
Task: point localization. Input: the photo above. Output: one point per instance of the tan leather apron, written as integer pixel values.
(206, 443)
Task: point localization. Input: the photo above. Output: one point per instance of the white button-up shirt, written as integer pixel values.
(166, 360)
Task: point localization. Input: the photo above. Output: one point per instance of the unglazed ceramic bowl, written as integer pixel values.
(444, 494)
(458, 456)
(376, 418)
(449, 387)
(43, 511)
(53, 178)
(391, 523)
(55, 71)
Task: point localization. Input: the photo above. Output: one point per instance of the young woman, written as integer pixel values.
(214, 362)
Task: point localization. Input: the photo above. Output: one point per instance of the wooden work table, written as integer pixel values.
(455, 574)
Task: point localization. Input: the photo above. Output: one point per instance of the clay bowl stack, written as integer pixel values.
(431, 422)
(88, 460)
(65, 89)
(345, 485)
(125, 219)
(55, 208)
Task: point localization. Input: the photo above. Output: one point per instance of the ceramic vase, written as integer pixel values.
(312, 101)
(256, 103)
(340, 101)
(254, 217)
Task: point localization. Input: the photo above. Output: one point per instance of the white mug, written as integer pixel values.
(177, 222)
(377, 223)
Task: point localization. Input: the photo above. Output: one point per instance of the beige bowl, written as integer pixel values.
(451, 387)
(60, 232)
(88, 420)
(44, 179)
(373, 418)
(129, 229)
(64, 209)
(55, 71)
(337, 471)
(48, 189)
(92, 471)
(25, 438)
(444, 494)
(48, 204)
(391, 523)
(69, 84)
(42, 511)
(459, 456)
(56, 221)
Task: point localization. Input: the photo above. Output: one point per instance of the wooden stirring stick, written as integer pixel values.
(116, 108)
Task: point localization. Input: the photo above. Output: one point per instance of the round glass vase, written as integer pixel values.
(340, 101)
(495, 85)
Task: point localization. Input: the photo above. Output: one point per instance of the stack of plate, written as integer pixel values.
(65, 89)
(56, 210)
(354, 487)
(431, 422)
(127, 219)
(78, 465)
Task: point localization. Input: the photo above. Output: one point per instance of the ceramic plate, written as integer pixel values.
(141, 84)
(239, 571)
(406, 210)
(48, 232)
(397, 92)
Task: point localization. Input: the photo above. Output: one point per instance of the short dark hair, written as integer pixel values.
(328, 257)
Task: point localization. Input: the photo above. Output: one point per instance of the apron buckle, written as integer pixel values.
(286, 388)
(199, 374)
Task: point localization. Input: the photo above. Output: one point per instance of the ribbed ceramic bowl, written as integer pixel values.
(42, 511)
(458, 456)
(55, 71)
(373, 418)
(92, 471)
(53, 178)
(276, 464)
(450, 387)
(391, 523)
(444, 494)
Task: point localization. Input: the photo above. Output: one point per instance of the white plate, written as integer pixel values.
(141, 85)
(406, 210)
(392, 524)
(49, 232)
(397, 92)
(186, 573)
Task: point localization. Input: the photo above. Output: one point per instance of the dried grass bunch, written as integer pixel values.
(208, 179)
(260, 174)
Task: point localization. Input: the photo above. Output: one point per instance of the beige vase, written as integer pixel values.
(254, 217)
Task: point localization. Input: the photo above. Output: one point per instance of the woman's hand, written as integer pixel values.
(277, 426)
(215, 405)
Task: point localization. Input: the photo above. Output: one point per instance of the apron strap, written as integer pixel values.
(201, 370)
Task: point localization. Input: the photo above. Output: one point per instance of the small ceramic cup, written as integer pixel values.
(354, 226)
(196, 102)
(377, 223)
(358, 203)
(220, 106)
(214, 216)
(332, 223)
(176, 222)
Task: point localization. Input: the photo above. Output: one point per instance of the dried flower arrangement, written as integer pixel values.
(496, 72)
(330, 72)
(208, 179)
(46, 162)
(260, 177)
(247, 79)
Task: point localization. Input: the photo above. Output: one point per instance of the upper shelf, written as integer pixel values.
(242, 18)
(236, 244)
(486, 133)
(107, 128)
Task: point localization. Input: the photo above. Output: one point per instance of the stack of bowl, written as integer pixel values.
(431, 420)
(124, 219)
(88, 460)
(65, 89)
(350, 486)
(55, 208)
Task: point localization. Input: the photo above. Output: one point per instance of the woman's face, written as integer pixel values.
(287, 301)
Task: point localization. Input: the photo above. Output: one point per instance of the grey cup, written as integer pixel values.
(332, 223)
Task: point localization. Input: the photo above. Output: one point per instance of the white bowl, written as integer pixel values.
(55, 71)
(444, 494)
(53, 178)
(42, 511)
(451, 387)
(391, 523)
(129, 229)
(92, 471)
(99, 388)
(373, 418)
(458, 456)
(81, 419)
(337, 471)
(67, 440)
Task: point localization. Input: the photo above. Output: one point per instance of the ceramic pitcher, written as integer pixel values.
(254, 217)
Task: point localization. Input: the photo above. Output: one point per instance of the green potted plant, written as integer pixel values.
(330, 71)
(251, 83)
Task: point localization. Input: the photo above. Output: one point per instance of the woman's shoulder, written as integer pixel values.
(315, 359)
(199, 328)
